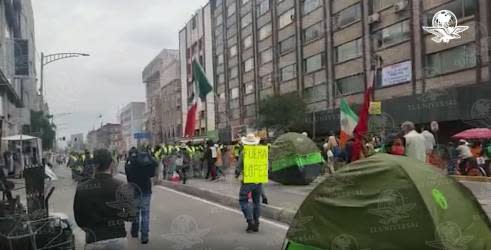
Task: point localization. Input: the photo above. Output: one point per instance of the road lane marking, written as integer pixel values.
(273, 223)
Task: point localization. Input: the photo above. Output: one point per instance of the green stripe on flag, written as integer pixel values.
(296, 160)
(346, 109)
(204, 86)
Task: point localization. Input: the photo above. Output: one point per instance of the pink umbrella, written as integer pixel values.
(475, 133)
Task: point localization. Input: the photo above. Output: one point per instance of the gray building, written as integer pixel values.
(171, 103)
(196, 43)
(76, 142)
(18, 92)
(132, 119)
(163, 69)
(326, 50)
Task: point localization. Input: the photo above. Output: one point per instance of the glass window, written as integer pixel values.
(266, 56)
(350, 84)
(247, 42)
(289, 72)
(218, 2)
(232, 51)
(312, 32)
(245, 1)
(381, 4)
(347, 16)
(310, 5)
(221, 78)
(234, 93)
(315, 93)
(219, 20)
(262, 7)
(287, 44)
(265, 31)
(249, 88)
(220, 59)
(233, 72)
(454, 59)
(231, 9)
(286, 18)
(461, 9)
(314, 63)
(250, 110)
(349, 50)
(248, 65)
(246, 20)
(266, 81)
(392, 34)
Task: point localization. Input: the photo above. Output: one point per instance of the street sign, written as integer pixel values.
(142, 135)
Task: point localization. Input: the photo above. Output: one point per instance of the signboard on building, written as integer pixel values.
(375, 108)
(142, 135)
(397, 73)
(21, 54)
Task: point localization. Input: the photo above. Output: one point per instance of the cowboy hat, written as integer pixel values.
(250, 139)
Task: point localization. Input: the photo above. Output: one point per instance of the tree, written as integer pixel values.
(284, 113)
(43, 128)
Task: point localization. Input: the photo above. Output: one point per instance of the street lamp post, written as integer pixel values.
(47, 59)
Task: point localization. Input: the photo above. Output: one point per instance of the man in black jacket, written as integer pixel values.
(102, 205)
(140, 168)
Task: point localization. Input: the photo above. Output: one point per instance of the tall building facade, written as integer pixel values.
(132, 119)
(171, 103)
(154, 78)
(196, 43)
(326, 50)
(18, 92)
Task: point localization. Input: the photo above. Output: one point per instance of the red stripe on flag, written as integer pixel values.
(191, 121)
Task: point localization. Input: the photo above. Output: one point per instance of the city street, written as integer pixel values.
(180, 221)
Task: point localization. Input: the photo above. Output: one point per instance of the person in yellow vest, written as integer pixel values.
(251, 214)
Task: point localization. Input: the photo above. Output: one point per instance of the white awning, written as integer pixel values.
(19, 138)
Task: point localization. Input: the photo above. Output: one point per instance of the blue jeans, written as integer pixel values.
(253, 213)
(142, 215)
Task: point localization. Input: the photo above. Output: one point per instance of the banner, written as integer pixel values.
(375, 108)
(255, 164)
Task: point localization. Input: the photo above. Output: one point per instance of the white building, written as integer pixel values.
(77, 142)
(195, 43)
(132, 118)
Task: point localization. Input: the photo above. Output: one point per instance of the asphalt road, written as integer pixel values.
(179, 222)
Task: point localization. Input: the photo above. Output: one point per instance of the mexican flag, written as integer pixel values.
(349, 120)
(203, 88)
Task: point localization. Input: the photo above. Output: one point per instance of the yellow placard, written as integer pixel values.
(375, 108)
(255, 164)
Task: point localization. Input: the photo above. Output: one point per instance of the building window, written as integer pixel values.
(250, 110)
(193, 22)
(266, 56)
(314, 63)
(289, 72)
(218, 20)
(347, 16)
(392, 34)
(248, 65)
(312, 32)
(316, 93)
(221, 78)
(232, 51)
(350, 85)
(266, 81)
(231, 9)
(247, 42)
(451, 60)
(220, 59)
(233, 72)
(461, 9)
(262, 7)
(287, 44)
(382, 4)
(249, 88)
(231, 31)
(245, 1)
(310, 5)
(217, 3)
(349, 50)
(246, 20)
(265, 31)
(286, 18)
(234, 93)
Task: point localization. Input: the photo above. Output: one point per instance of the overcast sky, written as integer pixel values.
(122, 37)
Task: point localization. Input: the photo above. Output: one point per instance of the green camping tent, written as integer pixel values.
(389, 202)
(295, 160)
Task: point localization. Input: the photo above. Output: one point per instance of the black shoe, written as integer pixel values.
(144, 240)
(250, 227)
(256, 228)
(265, 201)
(134, 235)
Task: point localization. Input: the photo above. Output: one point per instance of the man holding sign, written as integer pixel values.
(253, 164)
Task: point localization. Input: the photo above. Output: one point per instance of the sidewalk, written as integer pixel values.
(283, 200)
